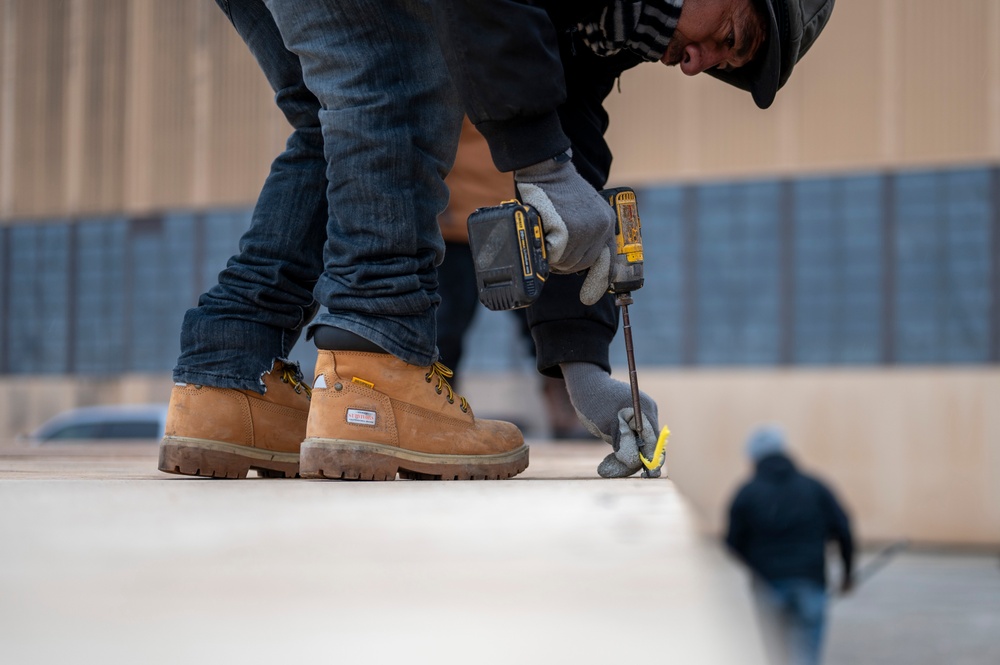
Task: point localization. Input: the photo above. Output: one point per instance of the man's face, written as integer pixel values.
(715, 33)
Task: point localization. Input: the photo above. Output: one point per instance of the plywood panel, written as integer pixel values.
(665, 125)
(172, 114)
(104, 109)
(171, 110)
(241, 143)
(891, 83)
(737, 137)
(8, 83)
(945, 95)
(648, 119)
(139, 86)
(914, 453)
(840, 82)
(39, 107)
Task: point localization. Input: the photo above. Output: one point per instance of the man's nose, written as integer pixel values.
(699, 57)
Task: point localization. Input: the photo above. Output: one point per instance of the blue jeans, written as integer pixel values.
(347, 219)
(793, 616)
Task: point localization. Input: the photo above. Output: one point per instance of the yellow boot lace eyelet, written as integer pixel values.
(289, 377)
(443, 374)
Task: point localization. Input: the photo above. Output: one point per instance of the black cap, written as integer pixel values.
(792, 27)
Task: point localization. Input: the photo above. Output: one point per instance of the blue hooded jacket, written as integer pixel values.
(781, 520)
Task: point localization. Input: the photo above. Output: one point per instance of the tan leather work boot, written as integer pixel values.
(224, 432)
(373, 416)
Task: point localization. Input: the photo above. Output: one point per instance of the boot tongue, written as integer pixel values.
(331, 338)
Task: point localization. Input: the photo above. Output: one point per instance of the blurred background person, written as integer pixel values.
(475, 182)
(779, 524)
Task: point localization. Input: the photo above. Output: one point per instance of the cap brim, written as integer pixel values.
(766, 76)
(762, 77)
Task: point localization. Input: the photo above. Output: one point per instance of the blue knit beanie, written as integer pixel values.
(764, 441)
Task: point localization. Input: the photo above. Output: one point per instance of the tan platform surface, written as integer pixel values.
(104, 559)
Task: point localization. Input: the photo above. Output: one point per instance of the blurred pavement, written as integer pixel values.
(926, 607)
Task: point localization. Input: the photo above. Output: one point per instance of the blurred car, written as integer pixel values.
(132, 422)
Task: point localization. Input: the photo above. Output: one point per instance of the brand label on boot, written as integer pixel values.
(360, 417)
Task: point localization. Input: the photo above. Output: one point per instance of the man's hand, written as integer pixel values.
(605, 408)
(579, 224)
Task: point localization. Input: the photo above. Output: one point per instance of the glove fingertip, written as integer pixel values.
(587, 296)
(612, 467)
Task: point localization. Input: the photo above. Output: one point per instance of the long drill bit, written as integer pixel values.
(623, 300)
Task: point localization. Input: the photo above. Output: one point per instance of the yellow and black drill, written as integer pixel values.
(508, 250)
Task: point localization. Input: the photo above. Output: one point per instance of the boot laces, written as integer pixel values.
(442, 374)
(289, 376)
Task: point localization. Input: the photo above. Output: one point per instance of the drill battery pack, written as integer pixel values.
(508, 249)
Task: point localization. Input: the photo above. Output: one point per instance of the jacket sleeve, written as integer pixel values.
(532, 94)
(566, 330)
(840, 530)
(736, 532)
(503, 57)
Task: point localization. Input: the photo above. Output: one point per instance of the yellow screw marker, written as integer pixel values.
(659, 453)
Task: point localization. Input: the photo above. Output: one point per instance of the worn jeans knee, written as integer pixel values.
(390, 123)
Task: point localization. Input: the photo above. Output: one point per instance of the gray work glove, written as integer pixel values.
(604, 406)
(579, 224)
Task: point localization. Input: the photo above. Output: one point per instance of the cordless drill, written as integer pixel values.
(626, 276)
(508, 250)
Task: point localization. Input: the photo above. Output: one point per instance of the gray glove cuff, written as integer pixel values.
(546, 168)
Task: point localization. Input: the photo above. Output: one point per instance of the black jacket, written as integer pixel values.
(533, 89)
(780, 522)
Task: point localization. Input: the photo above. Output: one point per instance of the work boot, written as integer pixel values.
(373, 416)
(224, 432)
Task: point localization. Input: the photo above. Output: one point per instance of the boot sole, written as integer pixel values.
(215, 459)
(340, 459)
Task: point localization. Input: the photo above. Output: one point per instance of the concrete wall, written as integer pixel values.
(912, 453)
